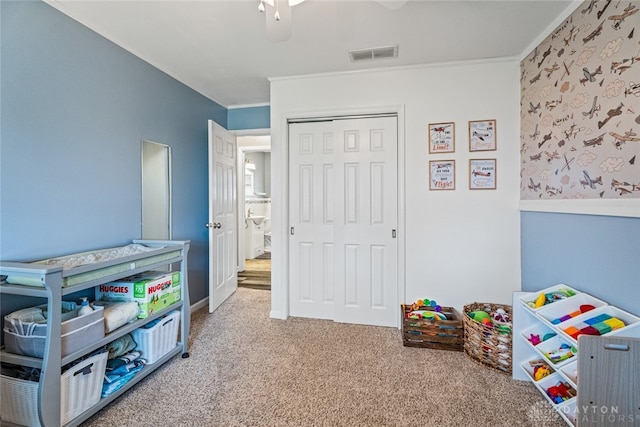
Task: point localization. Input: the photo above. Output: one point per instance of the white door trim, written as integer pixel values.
(280, 202)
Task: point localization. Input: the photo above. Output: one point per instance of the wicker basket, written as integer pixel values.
(437, 334)
(488, 345)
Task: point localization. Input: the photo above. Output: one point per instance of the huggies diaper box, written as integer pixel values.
(152, 290)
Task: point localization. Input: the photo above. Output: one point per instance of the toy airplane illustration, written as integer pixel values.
(536, 157)
(566, 69)
(443, 165)
(535, 78)
(587, 181)
(552, 156)
(544, 139)
(550, 105)
(593, 141)
(533, 186)
(550, 70)
(481, 135)
(623, 187)
(536, 132)
(589, 8)
(619, 19)
(621, 139)
(572, 131)
(552, 191)
(590, 76)
(478, 173)
(633, 89)
(594, 108)
(533, 109)
(441, 128)
(611, 114)
(601, 11)
(621, 66)
(544, 56)
(573, 32)
(567, 162)
(535, 55)
(595, 33)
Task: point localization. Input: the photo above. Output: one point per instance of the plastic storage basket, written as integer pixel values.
(80, 389)
(158, 337)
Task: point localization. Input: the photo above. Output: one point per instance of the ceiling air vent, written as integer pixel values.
(375, 53)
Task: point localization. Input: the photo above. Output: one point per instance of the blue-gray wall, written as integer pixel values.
(249, 118)
(74, 109)
(596, 254)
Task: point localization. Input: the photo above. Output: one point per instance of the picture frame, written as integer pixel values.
(442, 175)
(482, 135)
(482, 174)
(442, 137)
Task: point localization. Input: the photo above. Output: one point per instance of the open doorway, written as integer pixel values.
(254, 199)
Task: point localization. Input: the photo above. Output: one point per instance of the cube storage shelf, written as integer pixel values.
(542, 335)
(54, 285)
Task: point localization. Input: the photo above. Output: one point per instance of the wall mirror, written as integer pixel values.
(156, 190)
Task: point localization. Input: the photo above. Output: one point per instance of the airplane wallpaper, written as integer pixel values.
(580, 107)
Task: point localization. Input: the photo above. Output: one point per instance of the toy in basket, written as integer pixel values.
(428, 325)
(487, 334)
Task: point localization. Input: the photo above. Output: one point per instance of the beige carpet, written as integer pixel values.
(246, 369)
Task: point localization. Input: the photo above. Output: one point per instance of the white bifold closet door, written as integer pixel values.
(343, 212)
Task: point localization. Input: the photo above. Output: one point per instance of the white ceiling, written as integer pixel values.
(219, 47)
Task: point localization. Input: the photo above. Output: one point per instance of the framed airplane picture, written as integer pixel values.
(482, 135)
(482, 174)
(442, 175)
(441, 138)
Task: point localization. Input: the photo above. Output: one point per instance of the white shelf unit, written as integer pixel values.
(53, 290)
(527, 320)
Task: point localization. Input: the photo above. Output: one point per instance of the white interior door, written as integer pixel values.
(311, 216)
(366, 249)
(222, 225)
(344, 216)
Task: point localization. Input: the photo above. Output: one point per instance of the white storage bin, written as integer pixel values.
(156, 339)
(557, 313)
(570, 372)
(528, 300)
(554, 344)
(77, 333)
(553, 380)
(80, 389)
(585, 320)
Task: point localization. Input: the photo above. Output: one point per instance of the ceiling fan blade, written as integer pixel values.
(392, 4)
(278, 31)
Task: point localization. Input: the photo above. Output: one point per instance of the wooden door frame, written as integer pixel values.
(280, 202)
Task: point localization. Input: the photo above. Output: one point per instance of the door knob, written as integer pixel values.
(217, 225)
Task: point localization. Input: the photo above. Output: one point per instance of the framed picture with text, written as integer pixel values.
(482, 174)
(442, 138)
(442, 175)
(482, 135)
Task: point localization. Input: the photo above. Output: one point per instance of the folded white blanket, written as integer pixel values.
(117, 314)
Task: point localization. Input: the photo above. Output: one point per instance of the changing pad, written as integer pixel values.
(69, 262)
